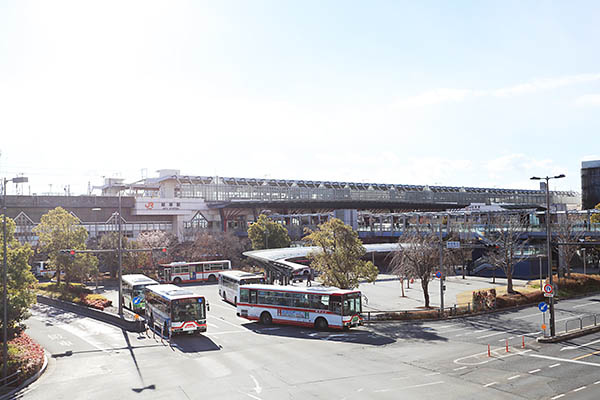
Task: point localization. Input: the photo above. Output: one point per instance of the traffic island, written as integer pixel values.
(26, 362)
(569, 335)
(131, 325)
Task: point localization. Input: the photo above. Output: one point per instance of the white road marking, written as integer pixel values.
(212, 325)
(554, 365)
(435, 373)
(597, 383)
(496, 357)
(225, 333)
(578, 389)
(490, 384)
(534, 371)
(459, 368)
(581, 345)
(564, 360)
(527, 316)
(257, 387)
(423, 384)
(572, 317)
(557, 397)
(513, 377)
(582, 305)
(360, 390)
(470, 333)
(254, 397)
(227, 322)
(454, 330)
(495, 334)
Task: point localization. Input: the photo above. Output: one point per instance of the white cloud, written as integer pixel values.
(588, 100)
(446, 95)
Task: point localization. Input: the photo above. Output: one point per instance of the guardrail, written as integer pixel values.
(15, 374)
(581, 320)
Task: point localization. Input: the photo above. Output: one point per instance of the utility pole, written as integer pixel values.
(441, 272)
(549, 246)
(120, 261)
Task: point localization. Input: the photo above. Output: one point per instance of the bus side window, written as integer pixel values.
(244, 296)
(335, 304)
(198, 268)
(253, 297)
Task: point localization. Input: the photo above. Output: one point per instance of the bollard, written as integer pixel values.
(489, 353)
(507, 345)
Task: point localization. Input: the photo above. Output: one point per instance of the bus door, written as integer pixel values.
(167, 274)
(192, 272)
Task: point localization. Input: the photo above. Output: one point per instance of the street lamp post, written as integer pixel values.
(549, 248)
(120, 253)
(19, 179)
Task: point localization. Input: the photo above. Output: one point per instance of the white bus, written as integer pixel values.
(171, 309)
(321, 307)
(178, 272)
(230, 281)
(133, 291)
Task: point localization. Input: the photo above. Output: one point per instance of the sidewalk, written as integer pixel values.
(386, 295)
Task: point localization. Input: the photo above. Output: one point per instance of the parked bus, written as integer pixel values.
(230, 281)
(172, 310)
(133, 291)
(321, 307)
(178, 272)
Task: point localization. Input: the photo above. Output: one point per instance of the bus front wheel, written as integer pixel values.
(265, 318)
(212, 279)
(321, 324)
(177, 280)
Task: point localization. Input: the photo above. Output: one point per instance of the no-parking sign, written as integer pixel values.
(548, 290)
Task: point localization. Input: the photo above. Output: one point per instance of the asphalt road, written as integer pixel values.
(238, 359)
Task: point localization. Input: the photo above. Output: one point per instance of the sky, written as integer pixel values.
(461, 93)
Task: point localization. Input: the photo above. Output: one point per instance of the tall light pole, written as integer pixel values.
(19, 179)
(548, 242)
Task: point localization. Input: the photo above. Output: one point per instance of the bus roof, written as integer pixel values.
(138, 279)
(301, 289)
(172, 292)
(237, 274)
(176, 263)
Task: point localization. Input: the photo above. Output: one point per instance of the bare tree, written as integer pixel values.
(418, 257)
(566, 232)
(219, 245)
(508, 242)
(462, 232)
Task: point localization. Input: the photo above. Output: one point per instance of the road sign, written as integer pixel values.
(548, 289)
(438, 274)
(452, 245)
(543, 306)
(137, 300)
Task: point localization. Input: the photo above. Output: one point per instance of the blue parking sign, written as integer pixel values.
(543, 306)
(137, 300)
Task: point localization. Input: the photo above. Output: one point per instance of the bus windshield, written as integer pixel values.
(138, 290)
(188, 309)
(352, 304)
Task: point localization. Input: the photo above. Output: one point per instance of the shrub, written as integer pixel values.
(25, 355)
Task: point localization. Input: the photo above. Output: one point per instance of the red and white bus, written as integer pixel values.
(230, 281)
(320, 307)
(172, 309)
(178, 272)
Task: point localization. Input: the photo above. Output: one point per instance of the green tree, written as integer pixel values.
(20, 282)
(59, 230)
(339, 256)
(267, 234)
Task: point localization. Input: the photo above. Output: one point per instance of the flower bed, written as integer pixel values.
(25, 355)
(74, 293)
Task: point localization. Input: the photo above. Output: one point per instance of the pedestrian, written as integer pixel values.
(309, 278)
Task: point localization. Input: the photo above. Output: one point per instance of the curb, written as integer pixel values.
(567, 336)
(28, 381)
(109, 318)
